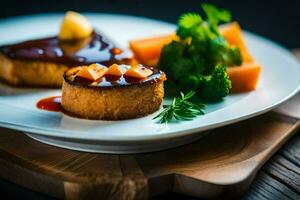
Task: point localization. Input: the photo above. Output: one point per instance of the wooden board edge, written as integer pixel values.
(192, 186)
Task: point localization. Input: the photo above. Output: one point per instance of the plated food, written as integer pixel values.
(202, 56)
(201, 59)
(114, 93)
(42, 62)
(143, 134)
(244, 76)
(242, 69)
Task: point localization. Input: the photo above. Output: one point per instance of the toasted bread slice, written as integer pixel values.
(31, 73)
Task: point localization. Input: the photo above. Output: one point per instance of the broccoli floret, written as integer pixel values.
(191, 82)
(235, 57)
(171, 60)
(221, 53)
(216, 86)
(198, 59)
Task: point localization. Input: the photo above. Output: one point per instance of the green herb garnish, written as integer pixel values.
(181, 109)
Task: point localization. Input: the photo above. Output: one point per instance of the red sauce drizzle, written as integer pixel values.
(50, 104)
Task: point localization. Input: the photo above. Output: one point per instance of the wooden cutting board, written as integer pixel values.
(222, 163)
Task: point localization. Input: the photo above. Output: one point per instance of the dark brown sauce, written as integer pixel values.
(93, 49)
(50, 104)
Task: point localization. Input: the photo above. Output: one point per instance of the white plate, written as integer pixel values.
(280, 80)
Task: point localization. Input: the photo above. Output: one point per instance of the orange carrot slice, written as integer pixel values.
(244, 78)
(149, 48)
(233, 35)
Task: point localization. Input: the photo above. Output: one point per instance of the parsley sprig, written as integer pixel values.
(181, 109)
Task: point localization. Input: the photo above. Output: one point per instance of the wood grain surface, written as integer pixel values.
(280, 177)
(270, 182)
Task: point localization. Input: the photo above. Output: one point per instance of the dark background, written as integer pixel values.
(277, 20)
